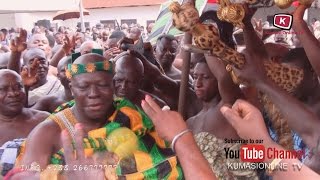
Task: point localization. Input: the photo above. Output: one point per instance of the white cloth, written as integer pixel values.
(52, 86)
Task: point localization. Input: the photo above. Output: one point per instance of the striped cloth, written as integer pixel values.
(8, 154)
(153, 159)
(163, 24)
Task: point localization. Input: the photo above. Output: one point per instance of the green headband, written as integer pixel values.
(75, 69)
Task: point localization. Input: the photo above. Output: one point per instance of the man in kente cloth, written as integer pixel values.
(16, 121)
(101, 117)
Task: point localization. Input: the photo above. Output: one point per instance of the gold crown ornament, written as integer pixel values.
(232, 13)
(283, 4)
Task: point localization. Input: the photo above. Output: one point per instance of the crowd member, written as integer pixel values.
(13, 113)
(281, 38)
(50, 38)
(103, 39)
(295, 42)
(95, 33)
(166, 88)
(44, 84)
(87, 47)
(125, 28)
(16, 122)
(4, 59)
(166, 49)
(194, 166)
(36, 30)
(79, 39)
(4, 44)
(195, 58)
(93, 93)
(4, 37)
(128, 79)
(112, 49)
(39, 40)
(50, 103)
(135, 34)
(149, 28)
(58, 42)
(214, 87)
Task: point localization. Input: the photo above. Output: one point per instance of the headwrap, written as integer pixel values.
(75, 69)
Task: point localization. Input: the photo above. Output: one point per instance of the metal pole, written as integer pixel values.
(83, 29)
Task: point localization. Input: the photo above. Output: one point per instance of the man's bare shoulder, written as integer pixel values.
(191, 121)
(37, 115)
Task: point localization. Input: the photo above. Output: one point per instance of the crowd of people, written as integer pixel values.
(93, 105)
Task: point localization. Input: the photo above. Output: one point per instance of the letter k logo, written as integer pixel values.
(282, 21)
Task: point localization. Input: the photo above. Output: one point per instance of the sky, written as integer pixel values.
(36, 5)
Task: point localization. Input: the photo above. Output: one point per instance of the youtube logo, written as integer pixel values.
(283, 21)
(252, 153)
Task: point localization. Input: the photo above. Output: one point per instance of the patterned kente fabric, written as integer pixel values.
(64, 106)
(213, 149)
(153, 159)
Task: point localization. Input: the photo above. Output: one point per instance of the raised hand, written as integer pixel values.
(111, 53)
(167, 123)
(29, 74)
(69, 44)
(19, 44)
(75, 158)
(244, 117)
(298, 14)
(257, 24)
(249, 13)
(253, 71)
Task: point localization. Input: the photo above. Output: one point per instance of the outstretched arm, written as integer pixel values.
(162, 82)
(18, 45)
(65, 50)
(244, 117)
(228, 90)
(300, 119)
(252, 41)
(168, 124)
(309, 42)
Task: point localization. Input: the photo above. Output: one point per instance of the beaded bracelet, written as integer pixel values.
(176, 137)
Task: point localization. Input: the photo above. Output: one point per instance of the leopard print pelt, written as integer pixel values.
(206, 37)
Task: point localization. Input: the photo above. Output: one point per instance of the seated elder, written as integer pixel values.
(141, 153)
(16, 122)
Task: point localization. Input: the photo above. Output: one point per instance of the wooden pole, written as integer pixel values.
(83, 29)
(186, 56)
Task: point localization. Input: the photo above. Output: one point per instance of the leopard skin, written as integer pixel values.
(206, 37)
